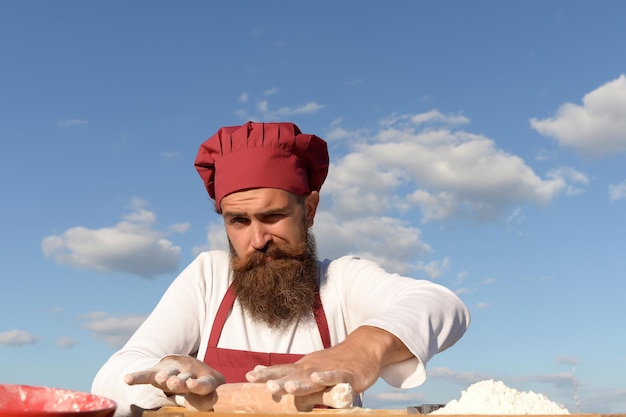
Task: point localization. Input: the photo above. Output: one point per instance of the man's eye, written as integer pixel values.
(238, 220)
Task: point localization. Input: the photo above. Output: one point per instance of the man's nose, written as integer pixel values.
(260, 237)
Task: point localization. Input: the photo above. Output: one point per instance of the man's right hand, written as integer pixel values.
(182, 375)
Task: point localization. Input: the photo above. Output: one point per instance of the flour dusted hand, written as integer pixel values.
(182, 375)
(356, 362)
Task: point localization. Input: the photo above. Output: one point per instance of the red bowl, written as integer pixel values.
(30, 401)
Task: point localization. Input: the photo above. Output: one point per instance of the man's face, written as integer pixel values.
(254, 218)
(272, 254)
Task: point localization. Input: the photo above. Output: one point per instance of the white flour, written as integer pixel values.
(493, 397)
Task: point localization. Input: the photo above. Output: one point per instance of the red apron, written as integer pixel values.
(234, 364)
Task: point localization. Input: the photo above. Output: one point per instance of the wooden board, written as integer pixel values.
(353, 412)
(356, 411)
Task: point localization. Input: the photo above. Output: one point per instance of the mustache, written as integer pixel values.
(276, 252)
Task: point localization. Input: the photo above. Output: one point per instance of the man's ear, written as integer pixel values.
(310, 206)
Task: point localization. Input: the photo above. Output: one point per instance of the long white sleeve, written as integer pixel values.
(428, 318)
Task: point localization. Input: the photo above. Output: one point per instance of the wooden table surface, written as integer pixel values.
(353, 412)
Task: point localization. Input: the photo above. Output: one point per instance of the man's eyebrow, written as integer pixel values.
(267, 212)
(233, 214)
(275, 210)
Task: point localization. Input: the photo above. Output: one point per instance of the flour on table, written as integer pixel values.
(493, 397)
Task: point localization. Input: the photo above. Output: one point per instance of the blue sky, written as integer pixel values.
(477, 144)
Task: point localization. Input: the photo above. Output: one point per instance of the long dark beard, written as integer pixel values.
(281, 290)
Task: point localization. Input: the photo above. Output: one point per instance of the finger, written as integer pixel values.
(204, 385)
(300, 386)
(276, 387)
(293, 385)
(165, 373)
(266, 373)
(303, 385)
(184, 376)
(180, 383)
(330, 378)
(175, 385)
(140, 377)
(256, 374)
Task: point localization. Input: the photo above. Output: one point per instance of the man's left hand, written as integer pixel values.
(357, 360)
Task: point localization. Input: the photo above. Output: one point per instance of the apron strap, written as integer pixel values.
(220, 317)
(320, 318)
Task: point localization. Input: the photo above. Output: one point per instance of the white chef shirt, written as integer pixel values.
(425, 316)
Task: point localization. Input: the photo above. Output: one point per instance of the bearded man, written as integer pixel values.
(269, 310)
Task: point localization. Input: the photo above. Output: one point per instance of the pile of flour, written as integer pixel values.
(493, 397)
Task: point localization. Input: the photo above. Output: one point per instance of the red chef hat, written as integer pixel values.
(262, 155)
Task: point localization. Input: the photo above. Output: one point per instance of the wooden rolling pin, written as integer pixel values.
(255, 397)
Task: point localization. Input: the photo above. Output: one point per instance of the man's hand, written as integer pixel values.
(358, 361)
(182, 375)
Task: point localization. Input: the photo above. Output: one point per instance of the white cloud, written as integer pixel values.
(562, 380)
(263, 106)
(179, 227)
(170, 155)
(66, 342)
(264, 111)
(114, 331)
(359, 188)
(597, 127)
(337, 133)
(515, 217)
(430, 117)
(216, 238)
(574, 180)
(138, 203)
(94, 315)
(393, 243)
(17, 338)
(356, 81)
(270, 92)
(461, 378)
(435, 269)
(434, 206)
(141, 216)
(133, 246)
(393, 398)
(444, 173)
(71, 122)
(462, 276)
(617, 192)
(243, 98)
(488, 281)
(399, 396)
(437, 116)
(306, 108)
(567, 360)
